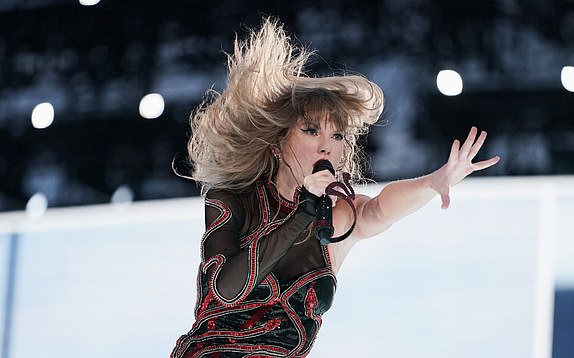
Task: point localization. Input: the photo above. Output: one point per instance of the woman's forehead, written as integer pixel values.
(324, 119)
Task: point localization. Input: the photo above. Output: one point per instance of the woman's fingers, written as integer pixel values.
(486, 163)
(477, 145)
(470, 147)
(454, 150)
(316, 183)
(467, 145)
(460, 164)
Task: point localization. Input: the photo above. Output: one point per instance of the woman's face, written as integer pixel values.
(305, 144)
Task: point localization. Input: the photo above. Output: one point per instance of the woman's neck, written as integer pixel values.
(285, 183)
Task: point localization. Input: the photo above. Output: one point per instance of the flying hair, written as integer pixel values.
(267, 92)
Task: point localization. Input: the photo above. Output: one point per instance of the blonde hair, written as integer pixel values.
(267, 93)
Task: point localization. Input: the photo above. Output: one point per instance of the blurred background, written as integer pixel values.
(95, 98)
(74, 80)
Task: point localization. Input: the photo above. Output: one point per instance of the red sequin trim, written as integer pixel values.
(310, 301)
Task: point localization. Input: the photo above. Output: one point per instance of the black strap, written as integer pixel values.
(348, 196)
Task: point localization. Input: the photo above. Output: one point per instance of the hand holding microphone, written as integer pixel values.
(324, 208)
(322, 176)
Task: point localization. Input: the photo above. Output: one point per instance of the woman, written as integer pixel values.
(259, 148)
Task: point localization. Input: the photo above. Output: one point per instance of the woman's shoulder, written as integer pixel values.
(216, 193)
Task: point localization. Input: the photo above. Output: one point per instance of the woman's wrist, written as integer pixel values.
(307, 201)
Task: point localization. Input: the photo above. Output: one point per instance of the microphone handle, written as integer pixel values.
(324, 208)
(323, 224)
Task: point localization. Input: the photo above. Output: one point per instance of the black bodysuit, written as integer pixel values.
(264, 281)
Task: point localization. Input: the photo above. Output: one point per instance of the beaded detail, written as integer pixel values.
(279, 317)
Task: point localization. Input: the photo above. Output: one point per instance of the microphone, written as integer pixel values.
(324, 208)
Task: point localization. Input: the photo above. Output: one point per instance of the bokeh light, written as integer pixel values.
(42, 115)
(152, 106)
(89, 2)
(449, 82)
(567, 78)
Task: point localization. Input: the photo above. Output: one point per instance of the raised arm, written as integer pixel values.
(401, 198)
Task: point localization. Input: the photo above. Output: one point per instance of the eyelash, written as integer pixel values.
(313, 132)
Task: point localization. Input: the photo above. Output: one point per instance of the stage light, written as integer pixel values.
(42, 115)
(89, 2)
(152, 105)
(449, 83)
(567, 78)
(36, 206)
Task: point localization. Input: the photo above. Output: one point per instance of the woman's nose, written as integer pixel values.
(325, 146)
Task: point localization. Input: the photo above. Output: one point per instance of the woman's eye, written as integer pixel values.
(310, 131)
(338, 136)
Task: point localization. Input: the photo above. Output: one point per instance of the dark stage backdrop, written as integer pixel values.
(95, 63)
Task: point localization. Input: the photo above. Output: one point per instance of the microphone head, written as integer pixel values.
(323, 164)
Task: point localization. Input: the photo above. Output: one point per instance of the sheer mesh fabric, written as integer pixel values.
(254, 241)
(264, 281)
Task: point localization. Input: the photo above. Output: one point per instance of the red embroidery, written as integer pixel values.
(273, 324)
(207, 300)
(221, 219)
(258, 351)
(283, 205)
(257, 316)
(211, 324)
(209, 312)
(310, 301)
(265, 227)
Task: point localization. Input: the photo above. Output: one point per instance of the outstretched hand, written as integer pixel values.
(460, 165)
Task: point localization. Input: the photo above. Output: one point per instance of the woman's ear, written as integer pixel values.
(275, 150)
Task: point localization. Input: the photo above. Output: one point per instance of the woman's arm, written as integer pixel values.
(234, 270)
(401, 198)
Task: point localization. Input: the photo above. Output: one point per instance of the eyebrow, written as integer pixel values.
(318, 123)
